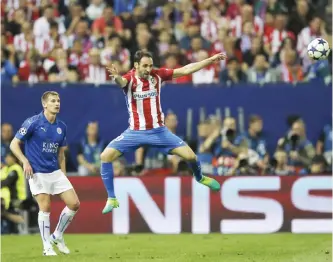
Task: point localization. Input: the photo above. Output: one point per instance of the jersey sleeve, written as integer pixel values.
(64, 140)
(26, 130)
(165, 74)
(128, 78)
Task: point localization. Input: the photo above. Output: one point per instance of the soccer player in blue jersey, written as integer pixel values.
(142, 89)
(44, 137)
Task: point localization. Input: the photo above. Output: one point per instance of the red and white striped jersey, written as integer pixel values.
(237, 26)
(275, 39)
(143, 98)
(303, 39)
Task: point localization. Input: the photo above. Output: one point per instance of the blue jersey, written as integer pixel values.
(42, 141)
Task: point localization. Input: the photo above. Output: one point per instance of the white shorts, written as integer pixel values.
(49, 183)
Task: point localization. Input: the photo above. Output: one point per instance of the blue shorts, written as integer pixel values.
(161, 138)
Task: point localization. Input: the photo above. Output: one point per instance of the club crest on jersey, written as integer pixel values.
(152, 80)
(59, 131)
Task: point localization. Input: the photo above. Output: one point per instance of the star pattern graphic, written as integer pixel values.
(321, 41)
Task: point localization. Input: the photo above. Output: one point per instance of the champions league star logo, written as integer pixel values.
(23, 131)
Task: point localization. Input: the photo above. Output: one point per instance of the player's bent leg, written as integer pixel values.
(72, 202)
(107, 157)
(44, 204)
(188, 155)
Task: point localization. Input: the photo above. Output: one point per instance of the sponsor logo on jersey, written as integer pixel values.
(144, 94)
(50, 147)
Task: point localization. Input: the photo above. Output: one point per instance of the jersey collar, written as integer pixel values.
(47, 121)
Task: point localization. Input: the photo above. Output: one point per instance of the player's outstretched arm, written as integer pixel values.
(194, 67)
(15, 147)
(122, 82)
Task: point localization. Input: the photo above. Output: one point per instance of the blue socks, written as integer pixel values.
(107, 177)
(196, 168)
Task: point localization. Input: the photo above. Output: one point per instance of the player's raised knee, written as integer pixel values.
(109, 155)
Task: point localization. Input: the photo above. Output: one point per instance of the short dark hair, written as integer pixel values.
(254, 118)
(140, 54)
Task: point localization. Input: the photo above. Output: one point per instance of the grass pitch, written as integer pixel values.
(180, 248)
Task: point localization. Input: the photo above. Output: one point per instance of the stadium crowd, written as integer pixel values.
(73, 40)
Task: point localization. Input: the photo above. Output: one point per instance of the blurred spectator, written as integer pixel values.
(324, 144)
(13, 27)
(254, 140)
(115, 52)
(290, 71)
(224, 148)
(42, 24)
(31, 70)
(89, 151)
(61, 71)
(279, 164)
(8, 69)
(274, 38)
(249, 55)
(260, 72)
(76, 14)
(288, 44)
(119, 167)
(13, 181)
(171, 61)
(77, 57)
(95, 9)
(318, 166)
(246, 15)
(207, 75)
(9, 220)
(300, 17)
(305, 37)
(299, 149)
(319, 70)
(99, 24)
(94, 72)
(233, 74)
(242, 166)
(81, 33)
(6, 138)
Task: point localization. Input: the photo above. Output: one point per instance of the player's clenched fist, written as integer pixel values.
(218, 57)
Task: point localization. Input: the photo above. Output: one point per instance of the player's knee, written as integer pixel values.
(44, 206)
(109, 155)
(74, 206)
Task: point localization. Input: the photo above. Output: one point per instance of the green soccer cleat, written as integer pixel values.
(211, 183)
(111, 203)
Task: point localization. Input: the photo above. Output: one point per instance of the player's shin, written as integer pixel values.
(107, 177)
(196, 168)
(65, 219)
(44, 228)
(205, 180)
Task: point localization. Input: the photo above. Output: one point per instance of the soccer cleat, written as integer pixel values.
(111, 203)
(60, 243)
(49, 252)
(210, 182)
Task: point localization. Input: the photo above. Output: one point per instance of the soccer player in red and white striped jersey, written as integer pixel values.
(142, 89)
